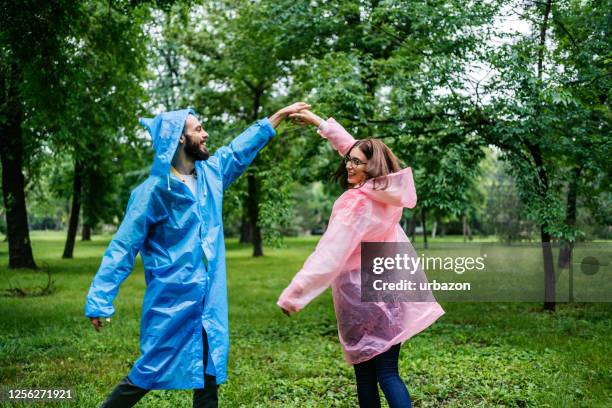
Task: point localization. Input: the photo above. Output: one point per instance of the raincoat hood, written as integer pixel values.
(165, 130)
(400, 190)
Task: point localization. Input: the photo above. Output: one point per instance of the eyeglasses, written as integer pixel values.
(355, 161)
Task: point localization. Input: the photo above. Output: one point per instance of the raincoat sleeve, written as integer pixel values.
(238, 155)
(343, 236)
(338, 137)
(118, 260)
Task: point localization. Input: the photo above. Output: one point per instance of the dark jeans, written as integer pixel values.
(126, 394)
(381, 369)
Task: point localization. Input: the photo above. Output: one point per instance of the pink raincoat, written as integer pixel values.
(366, 329)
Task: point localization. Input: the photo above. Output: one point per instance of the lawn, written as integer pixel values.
(476, 355)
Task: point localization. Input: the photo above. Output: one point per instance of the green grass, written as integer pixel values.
(476, 355)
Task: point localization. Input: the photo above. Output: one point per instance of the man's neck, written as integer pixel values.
(183, 164)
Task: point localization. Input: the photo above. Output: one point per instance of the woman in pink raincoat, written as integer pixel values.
(371, 333)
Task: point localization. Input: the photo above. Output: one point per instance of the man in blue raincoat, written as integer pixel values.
(174, 220)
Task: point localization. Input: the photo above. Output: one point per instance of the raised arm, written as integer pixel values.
(235, 157)
(240, 153)
(338, 137)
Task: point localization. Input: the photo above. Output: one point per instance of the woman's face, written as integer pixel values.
(356, 165)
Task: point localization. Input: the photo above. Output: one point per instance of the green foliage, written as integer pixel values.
(385, 73)
(438, 81)
(34, 55)
(107, 65)
(549, 110)
(504, 214)
(234, 62)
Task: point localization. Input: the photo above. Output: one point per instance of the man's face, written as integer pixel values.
(194, 139)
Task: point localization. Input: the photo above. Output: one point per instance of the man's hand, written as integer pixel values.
(97, 323)
(278, 117)
(306, 117)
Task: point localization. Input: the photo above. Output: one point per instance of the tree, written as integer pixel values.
(385, 73)
(531, 117)
(106, 68)
(33, 49)
(240, 59)
(581, 98)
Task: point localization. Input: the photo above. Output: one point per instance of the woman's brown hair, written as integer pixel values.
(381, 162)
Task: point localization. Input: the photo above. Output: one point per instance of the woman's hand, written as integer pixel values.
(286, 300)
(305, 117)
(287, 307)
(277, 118)
(285, 311)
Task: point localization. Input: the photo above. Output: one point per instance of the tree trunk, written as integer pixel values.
(434, 229)
(74, 211)
(252, 198)
(543, 30)
(549, 271)
(467, 231)
(549, 267)
(565, 251)
(253, 208)
(246, 233)
(423, 217)
(13, 183)
(412, 227)
(86, 232)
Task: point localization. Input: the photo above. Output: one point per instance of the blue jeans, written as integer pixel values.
(381, 369)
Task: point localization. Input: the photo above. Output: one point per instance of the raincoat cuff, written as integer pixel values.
(284, 304)
(267, 126)
(98, 313)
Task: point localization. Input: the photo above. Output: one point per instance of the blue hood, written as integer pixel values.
(165, 130)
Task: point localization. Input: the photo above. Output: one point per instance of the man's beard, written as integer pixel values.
(193, 150)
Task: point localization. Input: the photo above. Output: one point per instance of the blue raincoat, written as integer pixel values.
(180, 239)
